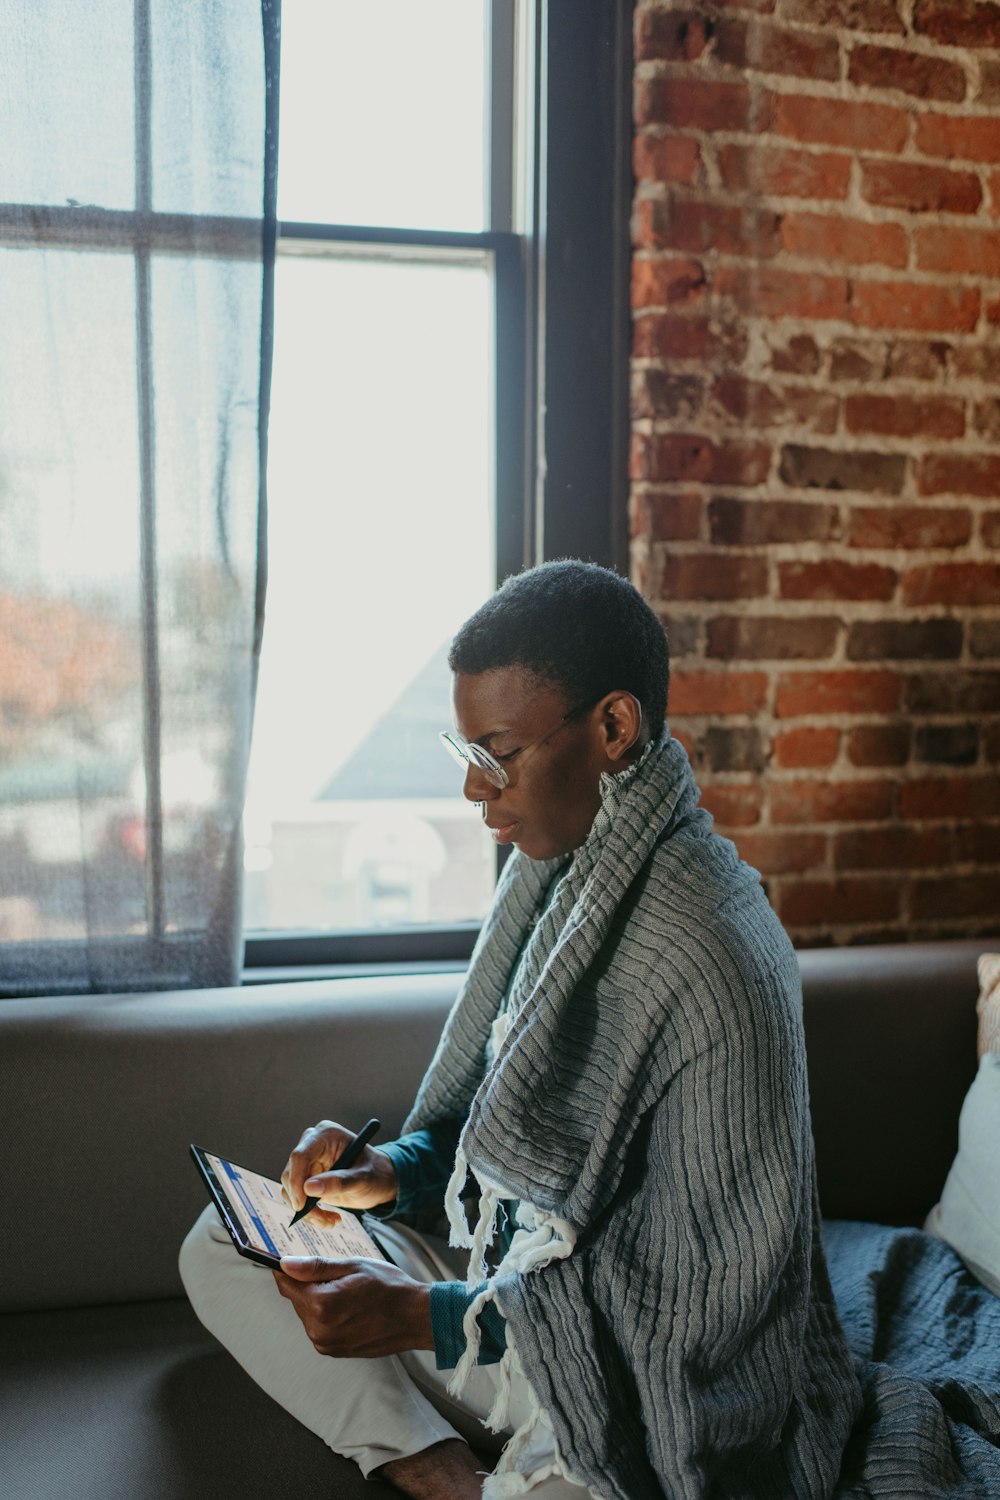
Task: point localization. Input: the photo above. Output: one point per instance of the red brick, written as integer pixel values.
(758, 523)
(835, 580)
(855, 359)
(971, 692)
(709, 575)
(698, 225)
(683, 634)
(666, 456)
(806, 903)
(956, 896)
(798, 355)
(660, 336)
(919, 359)
(977, 361)
(687, 740)
(672, 158)
(856, 124)
(806, 747)
(909, 526)
(878, 744)
(959, 474)
(717, 692)
(734, 806)
(675, 36)
(764, 48)
(947, 744)
(776, 405)
(991, 750)
(831, 238)
(905, 416)
(914, 304)
(851, 15)
(666, 518)
(782, 853)
(734, 747)
(904, 640)
(959, 23)
(956, 796)
(784, 172)
(953, 583)
(964, 251)
(829, 801)
(994, 203)
(771, 292)
(693, 104)
(989, 528)
(984, 637)
(661, 393)
(772, 638)
(892, 848)
(912, 72)
(989, 81)
(959, 137)
(842, 469)
(666, 281)
(918, 187)
(986, 419)
(836, 692)
(977, 843)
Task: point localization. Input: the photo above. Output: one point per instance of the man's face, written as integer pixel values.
(549, 806)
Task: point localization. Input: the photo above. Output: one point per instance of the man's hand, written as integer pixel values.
(357, 1309)
(369, 1183)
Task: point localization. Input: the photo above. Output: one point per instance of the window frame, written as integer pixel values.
(560, 190)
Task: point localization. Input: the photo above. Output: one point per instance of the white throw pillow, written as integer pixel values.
(988, 1004)
(968, 1216)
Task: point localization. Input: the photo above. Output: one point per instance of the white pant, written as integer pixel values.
(369, 1410)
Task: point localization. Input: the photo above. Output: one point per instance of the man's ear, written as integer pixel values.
(621, 723)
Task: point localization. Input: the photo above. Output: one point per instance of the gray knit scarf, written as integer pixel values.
(657, 948)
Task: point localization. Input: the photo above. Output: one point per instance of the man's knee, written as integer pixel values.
(202, 1255)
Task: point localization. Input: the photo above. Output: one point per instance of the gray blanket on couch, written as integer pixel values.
(926, 1339)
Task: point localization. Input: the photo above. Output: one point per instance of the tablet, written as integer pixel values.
(257, 1217)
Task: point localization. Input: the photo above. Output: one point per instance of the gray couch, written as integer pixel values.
(109, 1388)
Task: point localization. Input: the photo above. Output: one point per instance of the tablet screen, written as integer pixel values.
(263, 1217)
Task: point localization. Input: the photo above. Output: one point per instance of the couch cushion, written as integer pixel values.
(111, 1403)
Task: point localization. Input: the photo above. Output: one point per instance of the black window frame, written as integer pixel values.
(562, 351)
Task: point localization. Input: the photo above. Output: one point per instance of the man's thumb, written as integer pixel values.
(305, 1268)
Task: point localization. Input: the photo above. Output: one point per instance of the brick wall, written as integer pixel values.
(816, 442)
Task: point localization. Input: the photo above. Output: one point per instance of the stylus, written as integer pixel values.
(346, 1159)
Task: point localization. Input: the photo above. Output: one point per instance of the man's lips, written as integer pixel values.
(499, 829)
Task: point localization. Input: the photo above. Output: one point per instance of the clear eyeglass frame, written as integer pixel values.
(465, 752)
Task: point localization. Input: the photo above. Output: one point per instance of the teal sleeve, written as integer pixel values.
(449, 1304)
(424, 1161)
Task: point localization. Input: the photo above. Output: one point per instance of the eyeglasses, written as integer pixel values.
(466, 752)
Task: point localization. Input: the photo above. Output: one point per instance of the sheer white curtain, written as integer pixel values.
(136, 271)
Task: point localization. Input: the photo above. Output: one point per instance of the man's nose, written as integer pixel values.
(477, 786)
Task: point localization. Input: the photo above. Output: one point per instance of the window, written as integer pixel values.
(432, 159)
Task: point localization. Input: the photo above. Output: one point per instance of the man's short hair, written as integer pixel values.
(574, 624)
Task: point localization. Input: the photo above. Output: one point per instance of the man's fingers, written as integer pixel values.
(336, 1186)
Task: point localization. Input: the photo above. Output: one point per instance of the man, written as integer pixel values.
(622, 1082)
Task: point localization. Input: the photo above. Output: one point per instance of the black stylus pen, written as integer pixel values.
(346, 1159)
